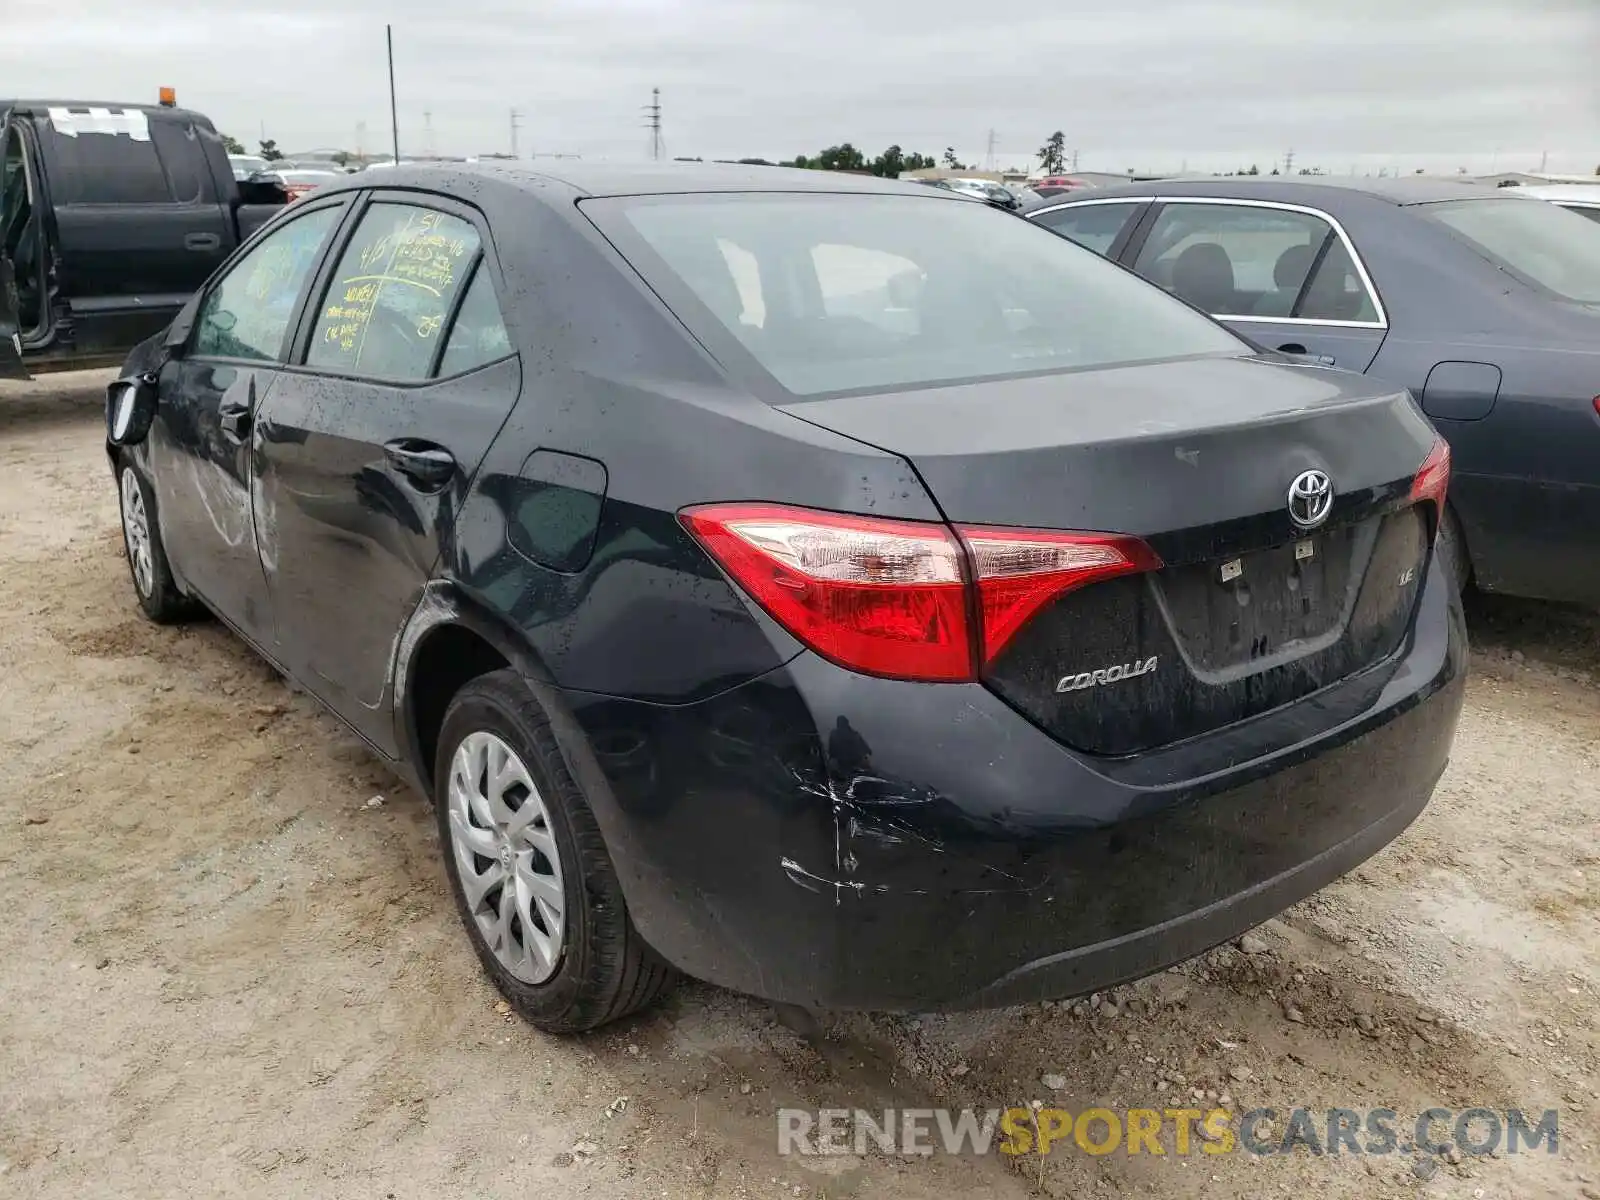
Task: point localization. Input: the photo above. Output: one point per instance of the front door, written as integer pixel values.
(1282, 275)
(369, 444)
(203, 446)
(14, 221)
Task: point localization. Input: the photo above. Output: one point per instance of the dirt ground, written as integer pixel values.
(229, 970)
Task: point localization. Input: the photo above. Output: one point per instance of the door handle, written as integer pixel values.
(1299, 351)
(235, 419)
(201, 241)
(424, 463)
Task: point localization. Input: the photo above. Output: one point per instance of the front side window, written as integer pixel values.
(246, 315)
(836, 292)
(1250, 261)
(1543, 243)
(384, 312)
(1592, 212)
(1093, 226)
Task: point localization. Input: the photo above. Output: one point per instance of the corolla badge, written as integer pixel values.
(1089, 679)
(1310, 499)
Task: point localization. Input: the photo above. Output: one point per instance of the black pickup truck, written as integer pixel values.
(110, 217)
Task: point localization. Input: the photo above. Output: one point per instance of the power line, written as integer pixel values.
(652, 122)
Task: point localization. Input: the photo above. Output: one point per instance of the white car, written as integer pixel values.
(1581, 198)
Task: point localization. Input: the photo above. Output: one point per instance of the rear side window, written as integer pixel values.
(1335, 291)
(102, 156)
(183, 157)
(246, 315)
(1541, 242)
(1592, 214)
(1093, 226)
(846, 292)
(384, 312)
(1236, 260)
(479, 334)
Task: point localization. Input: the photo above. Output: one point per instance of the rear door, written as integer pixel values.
(1283, 275)
(402, 377)
(202, 450)
(13, 192)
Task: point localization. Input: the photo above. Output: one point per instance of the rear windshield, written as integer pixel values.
(837, 292)
(1544, 243)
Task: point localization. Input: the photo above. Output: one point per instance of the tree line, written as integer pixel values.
(846, 157)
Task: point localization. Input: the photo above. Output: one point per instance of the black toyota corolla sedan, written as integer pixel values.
(830, 588)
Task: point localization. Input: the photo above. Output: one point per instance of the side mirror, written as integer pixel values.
(131, 409)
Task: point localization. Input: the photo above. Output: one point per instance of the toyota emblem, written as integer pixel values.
(1310, 499)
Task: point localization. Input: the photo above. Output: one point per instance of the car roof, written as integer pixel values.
(1585, 193)
(154, 111)
(1312, 190)
(644, 179)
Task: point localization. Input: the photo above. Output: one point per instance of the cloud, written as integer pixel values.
(1429, 83)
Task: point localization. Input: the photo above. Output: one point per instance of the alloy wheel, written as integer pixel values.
(506, 857)
(136, 533)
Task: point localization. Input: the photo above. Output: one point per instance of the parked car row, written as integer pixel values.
(1484, 303)
(825, 586)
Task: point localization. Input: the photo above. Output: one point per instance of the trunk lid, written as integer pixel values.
(1249, 611)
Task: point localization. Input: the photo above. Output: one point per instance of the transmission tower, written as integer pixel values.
(652, 122)
(516, 124)
(988, 153)
(1288, 162)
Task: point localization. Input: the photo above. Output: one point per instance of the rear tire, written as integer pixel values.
(509, 810)
(153, 584)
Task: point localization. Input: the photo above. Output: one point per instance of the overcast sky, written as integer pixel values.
(1152, 84)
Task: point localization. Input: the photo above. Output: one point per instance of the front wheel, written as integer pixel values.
(153, 584)
(533, 882)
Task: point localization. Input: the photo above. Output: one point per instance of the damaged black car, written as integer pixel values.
(821, 586)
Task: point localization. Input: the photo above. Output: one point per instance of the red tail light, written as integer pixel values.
(891, 598)
(1433, 479)
(1019, 571)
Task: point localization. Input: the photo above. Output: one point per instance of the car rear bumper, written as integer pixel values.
(826, 839)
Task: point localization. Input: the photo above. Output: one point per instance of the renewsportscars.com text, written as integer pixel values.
(1163, 1131)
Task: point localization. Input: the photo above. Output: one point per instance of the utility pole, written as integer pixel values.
(361, 142)
(1288, 161)
(394, 113)
(516, 124)
(1544, 161)
(427, 133)
(988, 152)
(652, 122)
